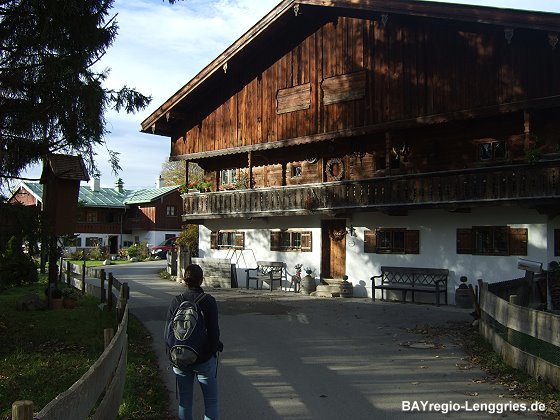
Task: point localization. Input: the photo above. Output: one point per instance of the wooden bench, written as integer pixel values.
(269, 271)
(425, 280)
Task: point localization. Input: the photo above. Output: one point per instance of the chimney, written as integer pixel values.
(159, 181)
(119, 185)
(95, 183)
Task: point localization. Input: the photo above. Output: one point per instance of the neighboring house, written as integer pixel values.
(360, 134)
(115, 217)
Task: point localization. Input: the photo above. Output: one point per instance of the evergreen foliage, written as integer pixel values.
(52, 99)
(16, 268)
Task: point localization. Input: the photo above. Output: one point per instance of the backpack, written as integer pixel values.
(186, 334)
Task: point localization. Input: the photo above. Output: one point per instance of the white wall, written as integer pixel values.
(437, 243)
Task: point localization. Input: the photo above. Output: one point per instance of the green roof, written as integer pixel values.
(109, 197)
(147, 195)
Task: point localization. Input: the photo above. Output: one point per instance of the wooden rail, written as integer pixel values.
(460, 187)
(106, 377)
(536, 324)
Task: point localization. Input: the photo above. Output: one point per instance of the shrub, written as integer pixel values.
(139, 251)
(98, 254)
(16, 268)
(189, 238)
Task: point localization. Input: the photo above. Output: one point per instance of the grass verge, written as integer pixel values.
(44, 352)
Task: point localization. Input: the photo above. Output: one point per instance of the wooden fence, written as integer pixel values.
(106, 377)
(503, 323)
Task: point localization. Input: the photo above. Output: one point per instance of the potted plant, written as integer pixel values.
(70, 297)
(463, 295)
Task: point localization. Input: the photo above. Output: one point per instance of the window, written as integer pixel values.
(228, 176)
(491, 150)
(381, 163)
(75, 242)
(91, 217)
(556, 242)
(227, 239)
(492, 240)
(290, 240)
(126, 244)
(171, 211)
(93, 242)
(296, 171)
(392, 241)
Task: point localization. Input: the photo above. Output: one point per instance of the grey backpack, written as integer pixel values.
(186, 334)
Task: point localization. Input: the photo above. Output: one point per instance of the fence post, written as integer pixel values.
(22, 410)
(121, 304)
(102, 283)
(108, 335)
(513, 300)
(68, 273)
(110, 291)
(84, 269)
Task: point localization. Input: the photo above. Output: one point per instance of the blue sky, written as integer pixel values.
(160, 47)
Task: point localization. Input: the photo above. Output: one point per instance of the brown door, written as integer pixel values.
(333, 252)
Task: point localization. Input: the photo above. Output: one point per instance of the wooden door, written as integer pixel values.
(333, 248)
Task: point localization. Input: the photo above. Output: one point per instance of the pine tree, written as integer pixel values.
(52, 99)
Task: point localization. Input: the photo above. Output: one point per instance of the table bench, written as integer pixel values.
(425, 280)
(269, 271)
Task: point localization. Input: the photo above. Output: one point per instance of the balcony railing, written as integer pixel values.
(459, 188)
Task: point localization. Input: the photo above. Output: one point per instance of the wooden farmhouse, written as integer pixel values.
(114, 217)
(351, 134)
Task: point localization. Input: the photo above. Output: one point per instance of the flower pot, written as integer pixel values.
(308, 285)
(56, 303)
(463, 297)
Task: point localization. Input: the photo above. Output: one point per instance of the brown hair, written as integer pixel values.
(193, 275)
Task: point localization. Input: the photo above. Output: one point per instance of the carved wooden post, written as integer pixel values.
(102, 279)
(250, 159)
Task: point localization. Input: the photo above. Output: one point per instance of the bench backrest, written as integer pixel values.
(274, 267)
(413, 275)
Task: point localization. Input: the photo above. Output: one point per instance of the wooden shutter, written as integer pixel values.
(345, 87)
(464, 241)
(240, 240)
(293, 98)
(306, 242)
(412, 242)
(214, 240)
(518, 241)
(275, 240)
(370, 241)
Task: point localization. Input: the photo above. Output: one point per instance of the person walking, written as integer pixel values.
(205, 368)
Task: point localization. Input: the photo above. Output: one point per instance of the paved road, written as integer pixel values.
(289, 356)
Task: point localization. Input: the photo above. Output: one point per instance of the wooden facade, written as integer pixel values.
(350, 88)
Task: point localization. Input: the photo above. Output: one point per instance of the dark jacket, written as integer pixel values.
(209, 309)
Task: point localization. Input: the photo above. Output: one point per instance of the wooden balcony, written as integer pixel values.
(90, 227)
(531, 185)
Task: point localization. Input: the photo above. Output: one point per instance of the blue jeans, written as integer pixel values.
(206, 375)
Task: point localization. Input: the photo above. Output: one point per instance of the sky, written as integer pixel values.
(160, 47)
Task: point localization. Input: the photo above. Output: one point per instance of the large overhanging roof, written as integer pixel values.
(507, 18)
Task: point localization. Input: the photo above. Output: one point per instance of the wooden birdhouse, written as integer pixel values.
(61, 178)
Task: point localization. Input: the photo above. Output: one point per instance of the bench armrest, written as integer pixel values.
(376, 277)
